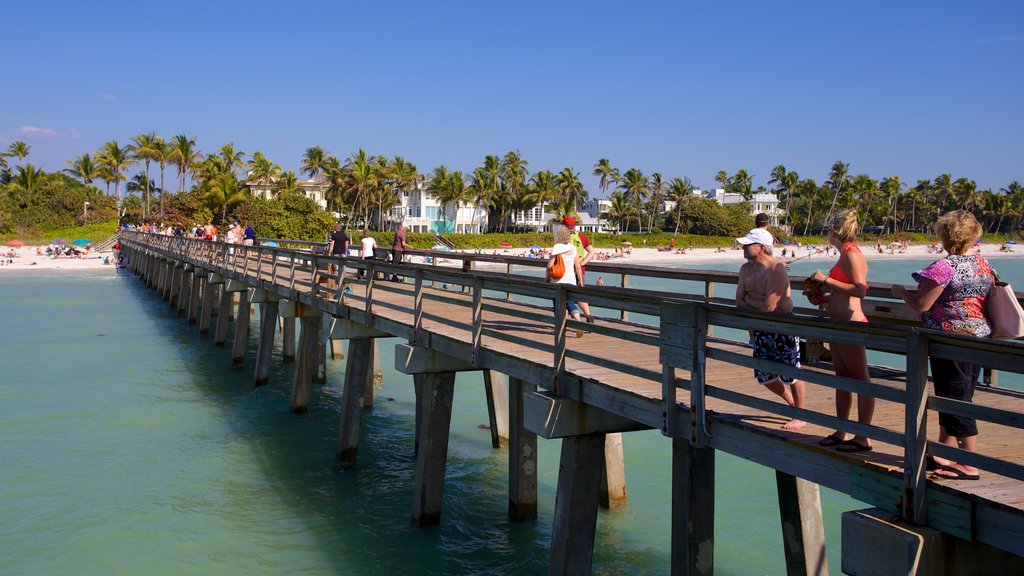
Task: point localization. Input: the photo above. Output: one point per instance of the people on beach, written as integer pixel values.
(950, 297)
(763, 284)
(398, 246)
(573, 274)
(843, 289)
(585, 252)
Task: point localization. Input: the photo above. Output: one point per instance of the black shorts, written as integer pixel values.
(955, 380)
(780, 348)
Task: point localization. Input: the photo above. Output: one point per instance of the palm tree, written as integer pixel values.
(743, 184)
(184, 155)
(784, 181)
(145, 147)
(262, 170)
(838, 181)
(486, 185)
(656, 194)
(680, 192)
(634, 184)
(313, 161)
(603, 169)
(891, 188)
(140, 184)
(27, 181)
(621, 210)
(117, 159)
(287, 184)
(544, 187)
(18, 150)
(224, 191)
(514, 176)
(722, 177)
(83, 168)
(405, 177)
(360, 178)
(568, 183)
(233, 159)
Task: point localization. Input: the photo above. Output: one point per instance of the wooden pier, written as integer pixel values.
(652, 360)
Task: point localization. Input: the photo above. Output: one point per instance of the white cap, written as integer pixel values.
(757, 236)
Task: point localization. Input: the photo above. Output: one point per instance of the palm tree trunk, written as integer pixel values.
(162, 191)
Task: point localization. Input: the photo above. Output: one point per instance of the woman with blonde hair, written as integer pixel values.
(951, 297)
(843, 288)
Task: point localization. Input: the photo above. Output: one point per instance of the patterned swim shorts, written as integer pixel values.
(777, 348)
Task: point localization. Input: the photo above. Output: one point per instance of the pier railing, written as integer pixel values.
(680, 337)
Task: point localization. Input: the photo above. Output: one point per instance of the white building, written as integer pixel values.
(314, 188)
(421, 212)
(542, 221)
(766, 202)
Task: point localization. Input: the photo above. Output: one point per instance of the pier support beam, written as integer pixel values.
(575, 521)
(497, 407)
(434, 394)
(185, 296)
(803, 532)
(693, 509)
(194, 293)
(288, 338)
(522, 456)
(357, 373)
(613, 481)
(269, 304)
(309, 353)
(241, 330)
(220, 333)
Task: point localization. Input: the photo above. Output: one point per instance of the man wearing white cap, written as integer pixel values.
(764, 285)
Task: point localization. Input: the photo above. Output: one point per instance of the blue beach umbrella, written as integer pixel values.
(534, 247)
(272, 244)
(82, 242)
(1014, 242)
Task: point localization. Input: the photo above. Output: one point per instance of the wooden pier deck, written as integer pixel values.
(669, 371)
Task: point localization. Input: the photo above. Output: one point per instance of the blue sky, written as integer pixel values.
(684, 88)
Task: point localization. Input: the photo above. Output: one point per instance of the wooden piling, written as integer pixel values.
(575, 520)
(522, 456)
(693, 509)
(434, 393)
(357, 368)
(613, 481)
(309, 343)
(220, 333)
(268, 325)
(496, 390)
(803, 532)
(241, 331)
(288, 339)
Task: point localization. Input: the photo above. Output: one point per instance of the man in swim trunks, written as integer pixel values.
(764, 285)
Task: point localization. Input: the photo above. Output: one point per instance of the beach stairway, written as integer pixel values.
(105, 245)
(444, 241)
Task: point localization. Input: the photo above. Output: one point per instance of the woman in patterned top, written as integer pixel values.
(951, 297)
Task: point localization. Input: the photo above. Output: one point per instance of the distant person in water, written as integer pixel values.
(763, 285)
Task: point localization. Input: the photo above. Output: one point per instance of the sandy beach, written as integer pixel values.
(654, 257)
(29, 262)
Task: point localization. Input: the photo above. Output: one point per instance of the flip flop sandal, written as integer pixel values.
(830, 441)
(849, 447)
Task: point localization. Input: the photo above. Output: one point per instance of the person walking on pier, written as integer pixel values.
(951, 297)
(398, 247)
(337, 246)
(565, 253)
(763, 284)
(584, 251)
(843, 288)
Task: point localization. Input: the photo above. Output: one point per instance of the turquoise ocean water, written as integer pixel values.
(128, 445)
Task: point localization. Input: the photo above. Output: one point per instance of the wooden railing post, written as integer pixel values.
(709, 293)
(561, 298)
(916, 431)
(698, 399)
(417, 305)
(623, 314)
(478, 318)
